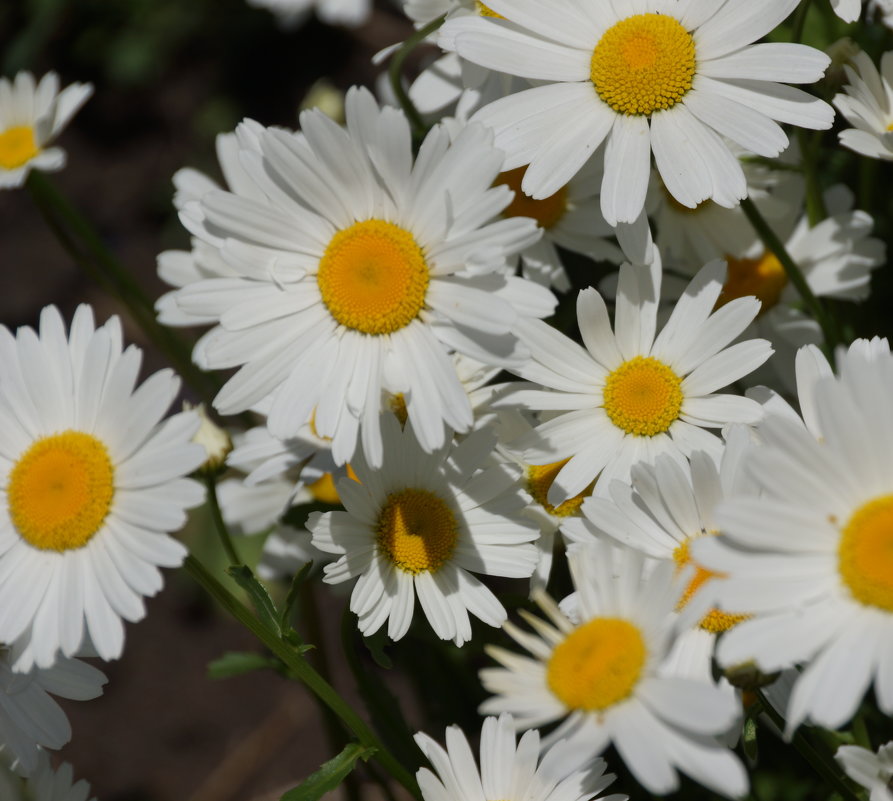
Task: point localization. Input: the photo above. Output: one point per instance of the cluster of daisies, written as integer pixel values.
(721, 495)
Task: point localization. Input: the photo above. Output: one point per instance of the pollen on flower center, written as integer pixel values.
(373, 277)
(643, 396)
(539, 482)
(60, 491)
(865, 553)
(643, 64)
(598, 664)
(715, 620)
(484, 11)
(417, 531)
(17, 146)
(763, 277)
(547, 212)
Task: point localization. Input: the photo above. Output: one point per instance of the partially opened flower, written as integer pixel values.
(31, 116)
(420, 526)
(93, 481)
(874, 771)
(656, 76)
(867, 104)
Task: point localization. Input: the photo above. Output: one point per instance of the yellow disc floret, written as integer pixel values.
(597, 665)
(539, 482)
(485, 11)
(865, 553)
(17, 146)
(373, 277)
(547, 212)
(643, 64)
(643, 396)
(60, 491)
(715, 620)
(763, 277)
(417, 531)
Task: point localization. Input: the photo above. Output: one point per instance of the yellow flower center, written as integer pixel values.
(417, 530)
(373, 277)
(643, 64)
(60, 491)
(17, 146)
(539, 482)
(763, 277)
(547, 212)
(397, 404)
(597, 665)
(865, 553)
(643, 396)
(324, 489)
(715, 620)
(484, 11)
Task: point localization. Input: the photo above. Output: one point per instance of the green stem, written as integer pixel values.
(302, 670)
(821, 763)
(800, 21)
(395, 72)
(815, 200)
(219, 523)
(794, 275)
(89, 252)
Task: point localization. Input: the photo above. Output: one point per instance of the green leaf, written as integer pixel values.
(750, 740)
(329, 775)
(260, 598)
(234, 663)
(291, 599)
(375, 644)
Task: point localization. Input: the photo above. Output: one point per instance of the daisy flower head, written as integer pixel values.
(510, 770)
(867, 104)
(93, 480)
(602, 677)
(420, 526)
(632, 394)
(872, 770)
(31, 116)
(812, 559)
(359, 272)
(30, 719)
(658, 77)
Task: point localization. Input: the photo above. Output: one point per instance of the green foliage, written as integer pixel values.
(329, 775)
(238, 663)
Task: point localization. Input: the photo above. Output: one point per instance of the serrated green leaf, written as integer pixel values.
(329, 775)
(291, 599)
(234, 663)
(260, 598)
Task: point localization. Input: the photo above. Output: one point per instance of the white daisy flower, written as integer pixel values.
(665, 509)
(847, 10)
(654, 76)
(509, 770)
(45, 784)
(29, 718)
(602, 677)
(420, 526)
(291, 13)
(867, 104)
(812, 559)
(31, 117)
(873, 771)
(93, 481)
(359, 272)
(628, 395)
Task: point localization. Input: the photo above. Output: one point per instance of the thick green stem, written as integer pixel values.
(89, 252)
(823, 764)
(815, 200)
(302, 670)
(800, 21)
(795, 276)
(395, 73)
(219, 523)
